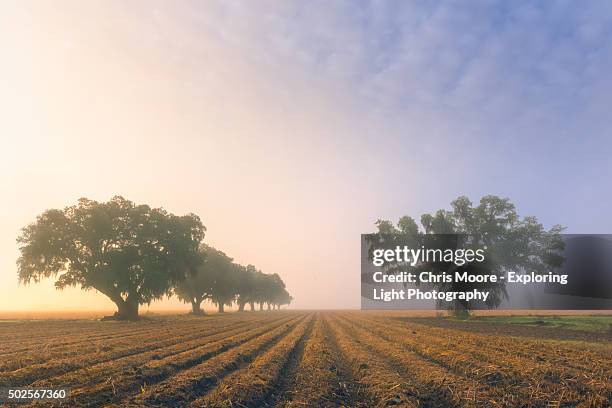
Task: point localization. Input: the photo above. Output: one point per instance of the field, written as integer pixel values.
(296, 359)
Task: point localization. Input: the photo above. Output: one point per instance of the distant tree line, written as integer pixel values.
(223, 282)
(135, 254)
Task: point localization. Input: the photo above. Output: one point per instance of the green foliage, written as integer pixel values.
(131, 253)
(246, 285)
(512, 243)
(270, 289)
(224, 276)
(591, 323)
(223, 282)
(135, 254)
(283, 297)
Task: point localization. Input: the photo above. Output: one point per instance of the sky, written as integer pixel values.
(290, 127)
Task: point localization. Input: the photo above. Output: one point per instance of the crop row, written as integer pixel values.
(537, 381)
(95, 351)
(324, 359)
(30, 338)
(191, 383)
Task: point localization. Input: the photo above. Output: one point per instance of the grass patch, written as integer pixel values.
(584, 323)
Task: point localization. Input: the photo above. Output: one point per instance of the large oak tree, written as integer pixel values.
(131, 253)
(513, 244)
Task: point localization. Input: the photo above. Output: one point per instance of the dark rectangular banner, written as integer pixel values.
(456, 271)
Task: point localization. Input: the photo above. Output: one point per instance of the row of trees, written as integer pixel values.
(224, 283)
(135, 254)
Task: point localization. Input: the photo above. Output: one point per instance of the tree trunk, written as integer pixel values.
(252, 306)
(127, 309)
(196, 308)
(261, 306)
(269, 306)
(241, 306)
(460, 311)
(221, 307)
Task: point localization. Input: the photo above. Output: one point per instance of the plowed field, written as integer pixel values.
(291, 359)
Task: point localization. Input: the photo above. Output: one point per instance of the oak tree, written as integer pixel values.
(512, 244)
(131, 253)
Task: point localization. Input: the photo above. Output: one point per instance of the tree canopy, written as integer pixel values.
(247, 288)
(131, 253)
(513, 243)
(224, 275)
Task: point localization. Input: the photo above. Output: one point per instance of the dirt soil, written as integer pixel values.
(302, 359)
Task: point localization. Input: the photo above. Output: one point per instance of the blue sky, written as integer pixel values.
(291, 127)
(510, 98)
